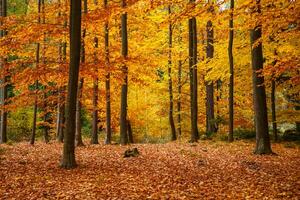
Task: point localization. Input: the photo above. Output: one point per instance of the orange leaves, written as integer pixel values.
(171, 171)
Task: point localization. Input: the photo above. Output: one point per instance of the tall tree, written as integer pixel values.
(179, 83)
(46, 116)
(193, 76)
(37, 62)
(68, 157)
(107, 81)
(61, 90)
(79, 141)
(263, 145)
(3, 81)
(94, 139)
(231, 70)
(124, 90)
(210, 113)
(171, 102)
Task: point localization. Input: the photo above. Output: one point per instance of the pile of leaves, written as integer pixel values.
(207, 170)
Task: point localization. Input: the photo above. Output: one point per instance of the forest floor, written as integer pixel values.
(207, 170)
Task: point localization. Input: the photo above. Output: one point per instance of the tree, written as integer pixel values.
(107, 81)
(3, 81)
(68, 157)
(231, 69)
(124, 90)
(263, 145)
(171, 103)
(37, 61)
(179, 83)
(210, 113)
(79, 141)
(193, 77)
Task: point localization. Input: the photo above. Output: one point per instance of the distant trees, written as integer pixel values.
(68, 158)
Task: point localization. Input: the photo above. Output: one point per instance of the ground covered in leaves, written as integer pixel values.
(207, 170)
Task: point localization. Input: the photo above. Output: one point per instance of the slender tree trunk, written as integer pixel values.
(130, 133)
(124, 91)
(35, 106)
(171, 108)
(179, 97)
(263, 145)
(210, 113)
(46, 120)
(94, 139)
(107, 81)
(60, 100)
(79, 141)
(68, 157)
(231, 70)
(273, 107)
(193, 77)
(3, 80)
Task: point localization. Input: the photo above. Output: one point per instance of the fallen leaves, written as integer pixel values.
(207, 170)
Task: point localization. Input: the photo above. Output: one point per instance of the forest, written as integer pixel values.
(149, 99)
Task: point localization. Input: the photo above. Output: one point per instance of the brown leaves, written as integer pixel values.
(165, 171)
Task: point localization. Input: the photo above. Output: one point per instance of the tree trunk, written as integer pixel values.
(107, 82)
(179, 97)
(94, 139)
(68, 158)
(193, 77)
(210, 113)
(3, 80)
(60, 116)
(35, 107)
(130, 134)
(123, 114)
(171, 102)
(46, 120)
(79, 141)
(273, 107)
(263, 145)
(231, 70)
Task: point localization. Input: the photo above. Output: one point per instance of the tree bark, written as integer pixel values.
(193, 77)
(124, 90)
(94, 139)
(171, 100)
(68, 157)
(107, 82)
(263, 145)
(79, 141)
(231, 70)
(130, 133)
(46, 119)
(35, 106)
(273, 108)
(210, 113)
(3, 81)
